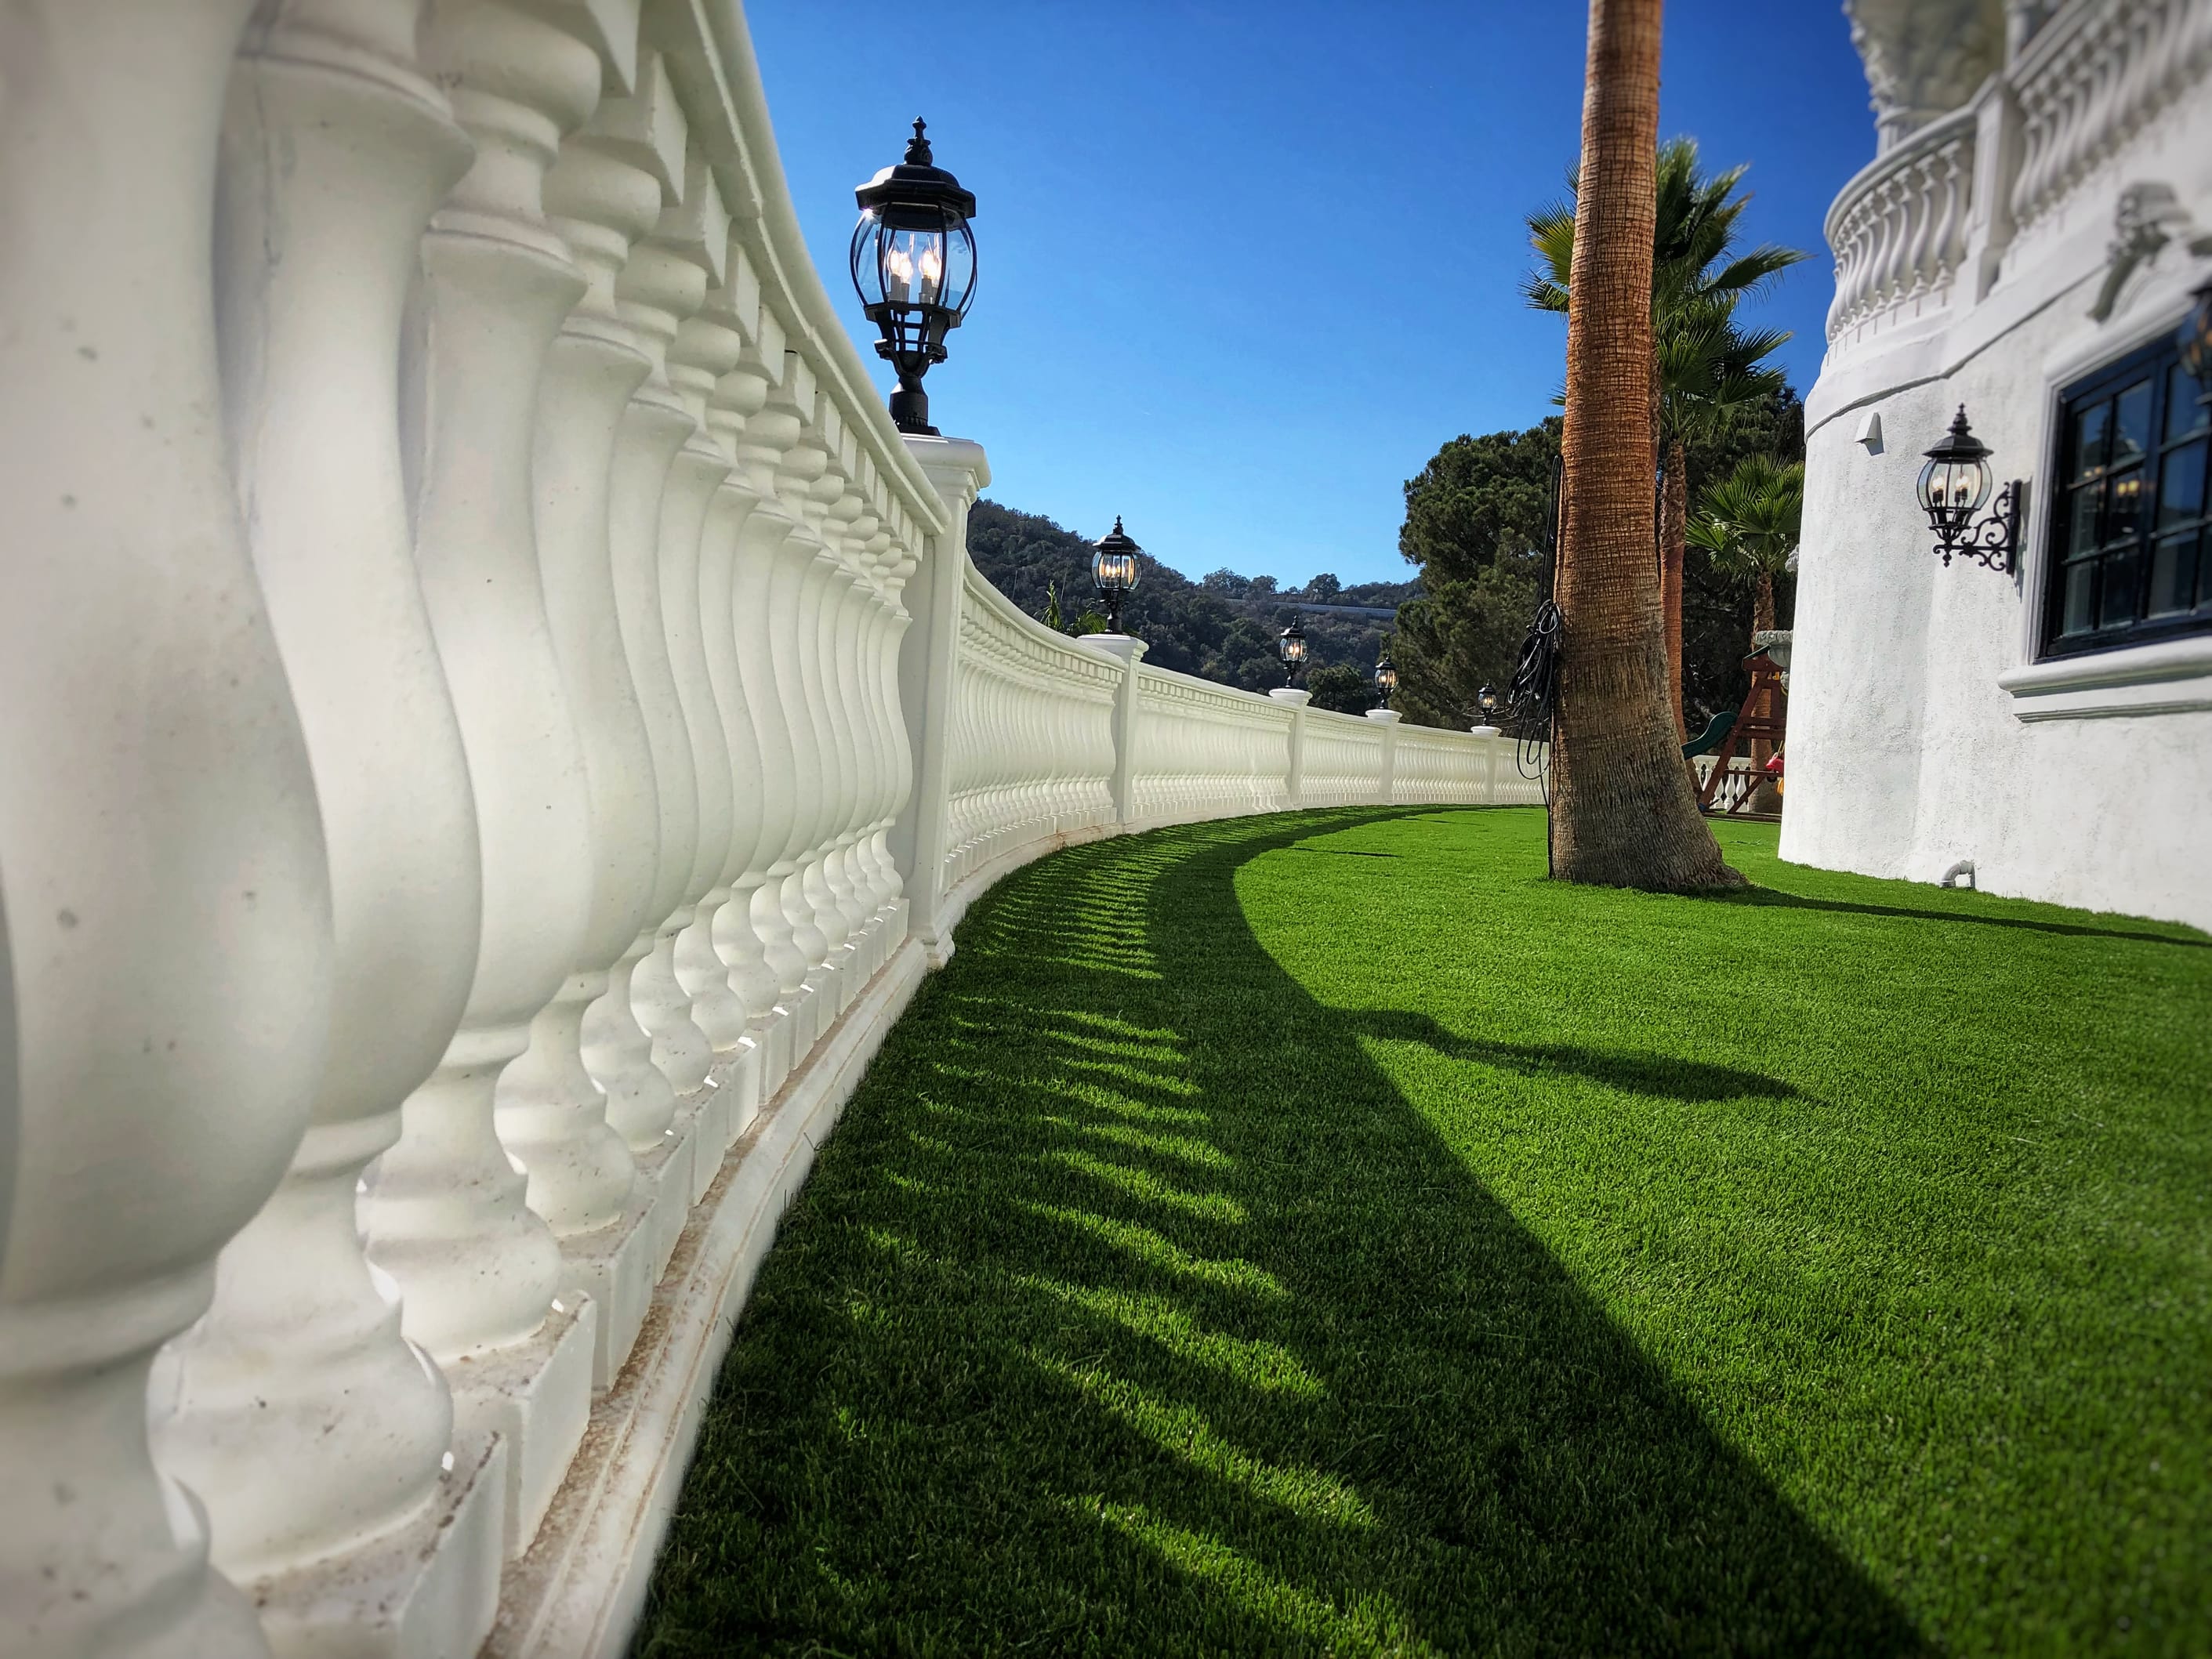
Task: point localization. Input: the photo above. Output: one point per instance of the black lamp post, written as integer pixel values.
(1954, 485)
(1487, 701)
(913, 267)
(1386, 680)
(2195, 341)
(1291, 648)
(1113, 569)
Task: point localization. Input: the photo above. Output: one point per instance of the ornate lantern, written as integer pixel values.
(1954, 485)
(1113, 569)
(2196, 342)
(1291, 648)
(1386, 680)
(1487, 701)
(913, 267)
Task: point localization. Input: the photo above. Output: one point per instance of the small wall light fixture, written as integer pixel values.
(1114, 570)
(1386, 680)
(913, 267)
(2195, 342)
(1954, 485)
(1291, 648)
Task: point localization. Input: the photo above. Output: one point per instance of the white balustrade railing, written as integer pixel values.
(1205, 752)
(499, 723)
(1898, 230)
(1032, 742)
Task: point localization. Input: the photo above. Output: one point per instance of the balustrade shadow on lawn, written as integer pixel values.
(1132, 1308)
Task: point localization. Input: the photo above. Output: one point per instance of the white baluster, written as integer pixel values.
(782, 918)
(696, 613)
(764, 607)
(603, 194)
(664, 473)
(166, 968)
(309, 1425)
(480, 1275)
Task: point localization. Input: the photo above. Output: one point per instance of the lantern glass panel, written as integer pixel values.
(1294, 647)
(1951, 492)
(1114, 572)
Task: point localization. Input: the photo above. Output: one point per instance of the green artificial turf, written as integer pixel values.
(1322, 1233)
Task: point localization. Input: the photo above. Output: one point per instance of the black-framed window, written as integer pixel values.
(2130, 551)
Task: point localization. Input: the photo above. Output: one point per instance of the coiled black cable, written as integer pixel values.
(1533, 697)
(1534, 688)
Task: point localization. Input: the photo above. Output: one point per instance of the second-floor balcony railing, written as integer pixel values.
(1898, 230)
(1927, 229)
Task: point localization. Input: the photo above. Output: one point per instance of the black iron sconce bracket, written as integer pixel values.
(1994, 542)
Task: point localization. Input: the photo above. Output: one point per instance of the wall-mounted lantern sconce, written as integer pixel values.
(1291, 648)
(913, 267)
(2195, 341)
(1114, 570)
(1386, 680)
(1954, 485)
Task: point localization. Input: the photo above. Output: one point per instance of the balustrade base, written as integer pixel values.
(666, 1174)
(536, 1397)
(821, 981)
(580, 1588)
(737, 1076)
(800, 1012)
(426, 1590)
(614, 1266)
(772, 1031)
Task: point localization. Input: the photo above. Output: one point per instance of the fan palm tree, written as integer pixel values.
(1707, 367)
(1749, 524)
(1623, 812)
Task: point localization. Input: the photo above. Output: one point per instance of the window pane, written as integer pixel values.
(2082, 518)
(2173, 574)
(2181, 485)
(2090, 427)
(2116, 598)
(2123, 507)
(2205, 569)
(2131, 431)
(2183, 412)
(2081, 587)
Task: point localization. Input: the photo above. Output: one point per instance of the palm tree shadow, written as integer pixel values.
(1662, 1077)
(1773, 895)
(1201, 1355)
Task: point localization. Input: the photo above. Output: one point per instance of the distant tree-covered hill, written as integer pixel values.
(1223, 627)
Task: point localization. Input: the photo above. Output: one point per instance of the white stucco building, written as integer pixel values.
(2024, 243)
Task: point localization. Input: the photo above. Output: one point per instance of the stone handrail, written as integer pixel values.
(512, 723)
(1898, 230)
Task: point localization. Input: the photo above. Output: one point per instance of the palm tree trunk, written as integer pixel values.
(1622, 810)
(1762, 604)
(1673, 542)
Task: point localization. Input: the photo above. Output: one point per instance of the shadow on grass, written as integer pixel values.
(1662, 1076)
(1134, 1310)
(1800, 902)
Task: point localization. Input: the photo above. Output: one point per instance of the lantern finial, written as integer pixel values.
(917, 148)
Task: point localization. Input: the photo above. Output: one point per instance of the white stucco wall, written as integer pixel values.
(1906, 753)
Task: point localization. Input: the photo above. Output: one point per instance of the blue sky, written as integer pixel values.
(1244, 266)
